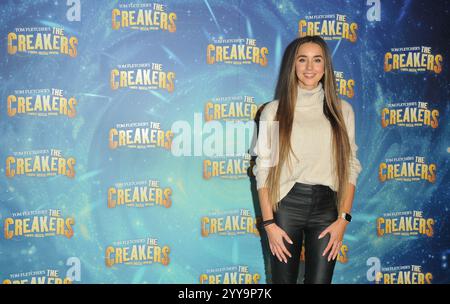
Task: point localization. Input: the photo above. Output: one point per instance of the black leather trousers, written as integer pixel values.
(305, 212)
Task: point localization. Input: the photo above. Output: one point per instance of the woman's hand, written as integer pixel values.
(276, 236)
(336, 231)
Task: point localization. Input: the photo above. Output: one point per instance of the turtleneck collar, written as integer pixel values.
(308, 98)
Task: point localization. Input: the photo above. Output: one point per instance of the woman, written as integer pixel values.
(306, 187)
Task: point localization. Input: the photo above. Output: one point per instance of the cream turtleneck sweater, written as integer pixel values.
(311, 141)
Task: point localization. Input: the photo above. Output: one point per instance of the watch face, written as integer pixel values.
(348, 217)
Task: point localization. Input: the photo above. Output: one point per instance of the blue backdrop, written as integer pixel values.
(95, 92)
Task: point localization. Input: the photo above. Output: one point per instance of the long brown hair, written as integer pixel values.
(286, 93)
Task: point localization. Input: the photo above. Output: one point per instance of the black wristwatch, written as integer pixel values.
(346, 216)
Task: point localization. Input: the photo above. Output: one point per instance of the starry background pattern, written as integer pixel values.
(273, 24)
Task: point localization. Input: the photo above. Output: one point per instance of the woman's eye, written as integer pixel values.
(316, 60)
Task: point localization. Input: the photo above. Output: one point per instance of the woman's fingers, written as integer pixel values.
(278, 247)
(279, 254)
(333, 250)
(336, 253)
(330, 244)
(284, 249)
(338, 248)
(279, 258)
(323, 233)
(271, 248)
(275, 251)
(282, 246)
(286, 237)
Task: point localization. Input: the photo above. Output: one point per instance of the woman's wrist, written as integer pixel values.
(342, 221)
(269, 226)
(267, 223)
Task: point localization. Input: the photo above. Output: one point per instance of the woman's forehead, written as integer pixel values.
(310, 49)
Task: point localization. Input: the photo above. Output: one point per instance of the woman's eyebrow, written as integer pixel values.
(307, 56)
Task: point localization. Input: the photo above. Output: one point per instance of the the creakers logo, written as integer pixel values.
(412, 59)
(49, 276)
(41, 41)
(233, 108)
(409, 114)
(143, 17)
(229, 223)
(139, 135)
(137, 252)
(142, 76)
(329, 27)
(41, 102)
(409, 169)
(342, 256)
(40, 163)
(139, 194)
(236, 51)
(408, 274)
(38, 223)
(345, 87)
(405, 223)
(236, 274)
(67, 274)
(226, 167)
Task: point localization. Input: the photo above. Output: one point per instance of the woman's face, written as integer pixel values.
(309, 65)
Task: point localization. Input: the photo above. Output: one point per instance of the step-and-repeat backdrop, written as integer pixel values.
(121, 122)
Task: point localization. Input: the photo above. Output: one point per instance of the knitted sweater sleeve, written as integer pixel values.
(266, 147)
(355, 165)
